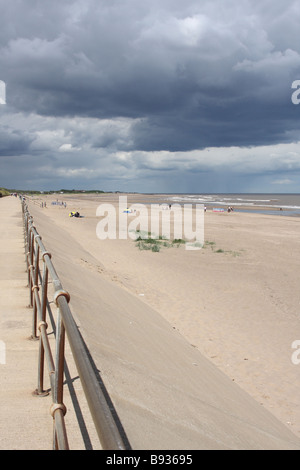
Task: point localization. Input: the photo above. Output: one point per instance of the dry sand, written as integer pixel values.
(239, 307)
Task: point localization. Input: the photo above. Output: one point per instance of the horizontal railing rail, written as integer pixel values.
(41, 273)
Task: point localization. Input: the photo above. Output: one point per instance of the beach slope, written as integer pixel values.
(165, 392)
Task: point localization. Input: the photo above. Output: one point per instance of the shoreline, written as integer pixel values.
(175, 199)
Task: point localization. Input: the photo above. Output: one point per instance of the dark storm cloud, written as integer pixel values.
(132, 76)
(13, 142)
(119, 58)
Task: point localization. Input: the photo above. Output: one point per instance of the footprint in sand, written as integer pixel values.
(92, 267)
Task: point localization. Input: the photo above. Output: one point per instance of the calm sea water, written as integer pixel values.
(278, 204)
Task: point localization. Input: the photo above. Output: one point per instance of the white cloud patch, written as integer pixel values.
(283, 181)
(68, 148)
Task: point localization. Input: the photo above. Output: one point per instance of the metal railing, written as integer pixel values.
(39, 278)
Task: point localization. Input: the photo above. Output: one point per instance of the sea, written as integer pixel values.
(271, 204)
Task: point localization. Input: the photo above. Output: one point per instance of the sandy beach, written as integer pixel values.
(236, 300)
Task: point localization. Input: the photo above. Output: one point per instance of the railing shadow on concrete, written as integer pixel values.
(107, 424)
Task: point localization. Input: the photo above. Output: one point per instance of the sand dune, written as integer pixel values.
(180, 335)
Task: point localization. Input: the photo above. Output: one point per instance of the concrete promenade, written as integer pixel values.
(25, 419)
(25, 422)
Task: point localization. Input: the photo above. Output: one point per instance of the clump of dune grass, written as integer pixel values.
(220, 250)
(209, 243)
(178, 242)
(146, 241)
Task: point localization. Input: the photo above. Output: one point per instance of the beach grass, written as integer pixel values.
(212, 245)
(146, 241)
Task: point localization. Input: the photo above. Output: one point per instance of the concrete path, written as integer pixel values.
(25, 420)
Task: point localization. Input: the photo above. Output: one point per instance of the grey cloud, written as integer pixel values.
(13, 142)
(147, 76)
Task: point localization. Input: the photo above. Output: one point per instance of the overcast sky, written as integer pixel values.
(150, 95)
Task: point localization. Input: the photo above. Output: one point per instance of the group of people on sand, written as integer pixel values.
(54, 203)
(230, 209)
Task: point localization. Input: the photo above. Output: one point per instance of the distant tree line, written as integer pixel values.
(7, 192)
